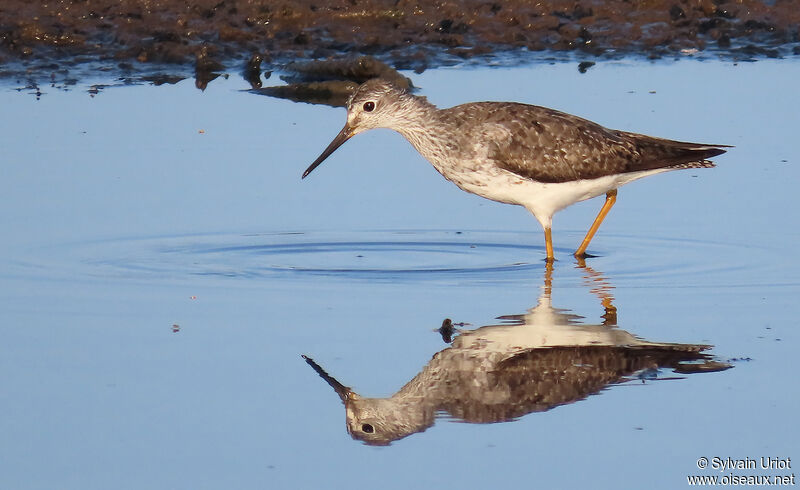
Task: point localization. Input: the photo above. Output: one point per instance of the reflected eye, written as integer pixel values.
(369, 107)
(367, 427)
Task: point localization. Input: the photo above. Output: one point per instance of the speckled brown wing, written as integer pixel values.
(549, 146)
(545, 145)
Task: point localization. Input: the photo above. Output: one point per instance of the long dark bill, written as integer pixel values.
(343, 391)
(338, 141)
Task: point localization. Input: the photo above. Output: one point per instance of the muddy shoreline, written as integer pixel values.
(160, 40)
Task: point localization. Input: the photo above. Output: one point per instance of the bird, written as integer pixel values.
(539, 158)
(530, 363)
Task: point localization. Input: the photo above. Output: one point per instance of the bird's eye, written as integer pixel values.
(369, 106)
(367, 427)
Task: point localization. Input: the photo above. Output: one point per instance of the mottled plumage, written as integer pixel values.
(521, 154)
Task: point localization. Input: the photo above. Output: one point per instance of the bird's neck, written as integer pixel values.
(422, 127)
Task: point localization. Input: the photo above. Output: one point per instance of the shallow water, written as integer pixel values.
(159, 284)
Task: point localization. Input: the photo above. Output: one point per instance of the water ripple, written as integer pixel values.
(472, 256)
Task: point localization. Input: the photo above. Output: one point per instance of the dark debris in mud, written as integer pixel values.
(330, 82)
(64, 40)
(333, 93)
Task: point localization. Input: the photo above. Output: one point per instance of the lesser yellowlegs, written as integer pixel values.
(532, 156)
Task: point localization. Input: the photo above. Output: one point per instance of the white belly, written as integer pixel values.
(543, 200)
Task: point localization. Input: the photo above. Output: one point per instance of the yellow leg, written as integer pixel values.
(548, 243)
(611, 198)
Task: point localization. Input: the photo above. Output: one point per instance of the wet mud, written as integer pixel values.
(158, 40)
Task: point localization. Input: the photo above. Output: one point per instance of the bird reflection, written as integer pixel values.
(530, 363)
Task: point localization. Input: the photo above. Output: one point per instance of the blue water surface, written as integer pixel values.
(163, 268)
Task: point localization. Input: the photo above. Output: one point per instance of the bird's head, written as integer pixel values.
(376, 103)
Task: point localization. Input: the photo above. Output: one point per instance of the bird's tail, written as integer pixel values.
(664, 153)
